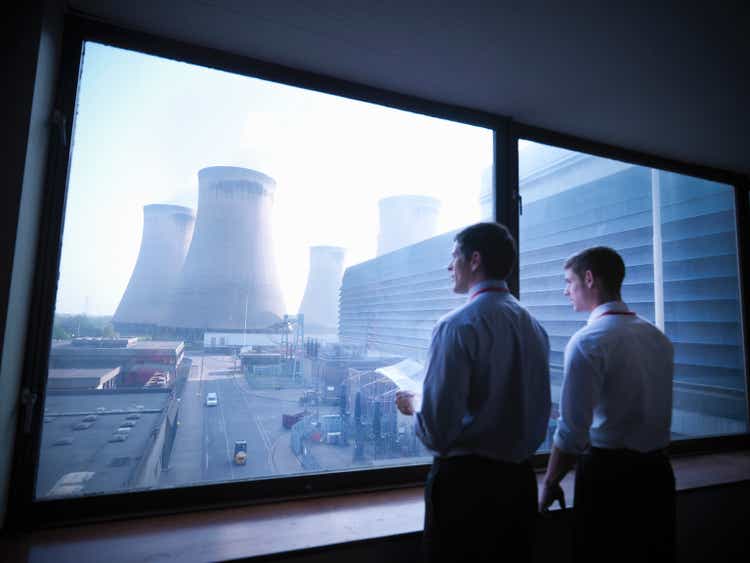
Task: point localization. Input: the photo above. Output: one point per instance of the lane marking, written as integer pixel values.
(270, 462)
(226, 441)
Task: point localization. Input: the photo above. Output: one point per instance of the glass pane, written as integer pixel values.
(677, 236)
(249, 271)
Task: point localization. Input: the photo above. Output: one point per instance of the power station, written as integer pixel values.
(406, 220)
(229, 279)
(167, 232)
(320, 304)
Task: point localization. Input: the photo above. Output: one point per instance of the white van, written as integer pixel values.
(212, 400)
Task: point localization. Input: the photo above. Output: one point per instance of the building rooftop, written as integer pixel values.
(133, 347)
(80, 377)
(77, 453)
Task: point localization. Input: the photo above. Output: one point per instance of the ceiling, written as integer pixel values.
(671, 78)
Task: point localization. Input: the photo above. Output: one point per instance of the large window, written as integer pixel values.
(249, 271)
(677, 236)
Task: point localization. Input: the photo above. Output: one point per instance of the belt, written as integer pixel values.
(624, 452)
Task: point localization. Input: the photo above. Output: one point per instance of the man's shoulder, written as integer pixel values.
(653, 333)
(459, 316)
(586, 339)
(595, 336)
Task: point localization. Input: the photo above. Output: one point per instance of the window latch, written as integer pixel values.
(520, 203)
(28, 400)
(61, 122)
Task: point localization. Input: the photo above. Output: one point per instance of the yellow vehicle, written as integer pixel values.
(240, 452)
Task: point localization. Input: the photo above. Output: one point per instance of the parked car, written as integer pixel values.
(212, 399)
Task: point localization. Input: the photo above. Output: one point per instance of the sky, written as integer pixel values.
(145, 126)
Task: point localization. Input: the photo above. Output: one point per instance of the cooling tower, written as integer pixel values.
(320, 304)
(229, 280)
(167, 230)
(405, 220)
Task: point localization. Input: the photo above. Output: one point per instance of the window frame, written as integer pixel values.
(741, 188)
(27, 513)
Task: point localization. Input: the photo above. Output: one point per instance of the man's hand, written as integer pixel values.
(551, 492)
(405, 402)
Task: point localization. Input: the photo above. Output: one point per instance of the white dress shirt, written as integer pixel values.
(486, 390)
(617, 384)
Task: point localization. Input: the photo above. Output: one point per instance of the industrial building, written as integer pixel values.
(83, 378)
(328, 367)
(571, 201)
(372, 412)
(677, 237)
(659, 83)
(105, 441)
(389, 305)
(137, 360)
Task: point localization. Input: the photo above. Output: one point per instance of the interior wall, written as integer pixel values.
(32, 61)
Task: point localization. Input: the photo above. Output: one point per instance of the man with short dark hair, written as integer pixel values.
(615, 417)
(485, 409)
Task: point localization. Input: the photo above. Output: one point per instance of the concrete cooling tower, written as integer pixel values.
(167, 231)
(320, 304)
(405, 220)
(229, 280)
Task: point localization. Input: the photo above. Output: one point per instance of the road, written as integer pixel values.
(204, 447)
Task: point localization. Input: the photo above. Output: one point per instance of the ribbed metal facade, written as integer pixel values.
(573, 201)
(390, 304)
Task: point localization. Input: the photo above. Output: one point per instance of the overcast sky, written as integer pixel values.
(146, 125)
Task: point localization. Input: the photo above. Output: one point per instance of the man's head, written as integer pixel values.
(480, 252)
(593, 276)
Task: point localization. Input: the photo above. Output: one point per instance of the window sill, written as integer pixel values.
(290, 526)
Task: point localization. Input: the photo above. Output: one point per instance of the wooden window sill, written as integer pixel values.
(239, 533)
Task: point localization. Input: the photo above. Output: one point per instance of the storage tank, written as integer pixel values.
(229, 279)
(320, 304)
(166, 235)
(405, 220)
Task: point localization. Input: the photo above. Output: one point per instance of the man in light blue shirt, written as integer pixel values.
(485, 409)
(615, 417)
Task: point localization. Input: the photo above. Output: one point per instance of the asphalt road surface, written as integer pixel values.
(204, 447)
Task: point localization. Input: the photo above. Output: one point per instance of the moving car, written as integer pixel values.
(240, 452)
(212, 399)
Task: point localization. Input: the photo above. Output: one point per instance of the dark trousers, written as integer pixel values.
(624, 507)
(477, 509)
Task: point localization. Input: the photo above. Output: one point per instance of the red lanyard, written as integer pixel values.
(625, 313)
(490, 289)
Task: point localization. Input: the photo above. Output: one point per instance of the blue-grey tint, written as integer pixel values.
(573, 201)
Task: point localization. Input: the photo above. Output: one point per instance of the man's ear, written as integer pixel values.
(476, 261)
(588, 279)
